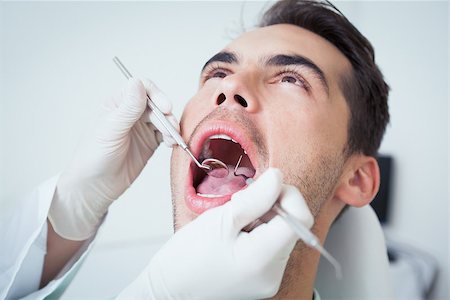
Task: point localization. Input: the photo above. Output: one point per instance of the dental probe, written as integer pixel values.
(305, 235)
(207, 165)
(308, 237)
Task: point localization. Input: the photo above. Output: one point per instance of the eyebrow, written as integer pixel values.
(226, 57)
(276, 60)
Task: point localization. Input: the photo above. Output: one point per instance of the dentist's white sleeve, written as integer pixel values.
(23, 236)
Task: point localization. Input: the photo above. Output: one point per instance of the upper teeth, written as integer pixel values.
(222, 136)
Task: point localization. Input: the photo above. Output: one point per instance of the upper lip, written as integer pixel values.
(237, 133)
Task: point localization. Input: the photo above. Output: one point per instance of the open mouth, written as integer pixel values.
(235, 151)
(230, 152)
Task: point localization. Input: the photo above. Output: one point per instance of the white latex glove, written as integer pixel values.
(212, 258)
(109, 159)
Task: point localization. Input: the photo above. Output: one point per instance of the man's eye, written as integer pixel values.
(215, 72)
(289, 79)
(293, 78)
(218, 74)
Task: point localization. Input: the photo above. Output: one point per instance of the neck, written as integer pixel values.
(300, 274)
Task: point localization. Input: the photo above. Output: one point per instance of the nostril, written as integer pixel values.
(241, 100)
(221, 99)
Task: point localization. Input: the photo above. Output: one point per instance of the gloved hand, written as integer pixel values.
(109, 160)
(212, 258)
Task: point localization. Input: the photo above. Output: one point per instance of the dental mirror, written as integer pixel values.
(215, 168)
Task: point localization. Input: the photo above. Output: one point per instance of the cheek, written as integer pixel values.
(197, 108)
(291, 127)
(181, 215)
(192, 115)
(176, 175)
(186, 123)
(315, 130)
(298, 134)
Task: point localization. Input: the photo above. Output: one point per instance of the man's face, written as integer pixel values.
(274, 91)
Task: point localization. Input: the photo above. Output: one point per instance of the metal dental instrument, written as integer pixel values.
(305, 235)
(237, 165)
(308, 237)
(208, 165)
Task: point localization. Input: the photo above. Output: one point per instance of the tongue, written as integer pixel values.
(227, 185)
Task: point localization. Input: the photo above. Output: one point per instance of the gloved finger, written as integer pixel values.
(251, 203)
(296, 205)
(132, 106)
(148, 116)
(276, 237)
(168, 140)
(157, 96)
(172, 120)
(112, 103)
(144, 136)
(159, 137)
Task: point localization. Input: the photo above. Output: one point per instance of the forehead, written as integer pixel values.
(255, 45)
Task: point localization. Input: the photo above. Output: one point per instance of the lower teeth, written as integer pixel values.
(209, 195)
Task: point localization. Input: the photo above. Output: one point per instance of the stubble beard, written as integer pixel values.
(317, 185)
(316, 179)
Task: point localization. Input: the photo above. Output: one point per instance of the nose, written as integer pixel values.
(238, 98)
(235, 90)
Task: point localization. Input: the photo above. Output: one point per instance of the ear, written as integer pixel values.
(360, 182)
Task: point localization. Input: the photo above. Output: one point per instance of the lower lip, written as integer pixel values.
(199, 204)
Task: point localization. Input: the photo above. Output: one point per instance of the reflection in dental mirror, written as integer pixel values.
(215, 168)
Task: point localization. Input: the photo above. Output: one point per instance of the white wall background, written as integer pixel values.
(56, 69)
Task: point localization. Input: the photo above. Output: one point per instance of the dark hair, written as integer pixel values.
(365, 90)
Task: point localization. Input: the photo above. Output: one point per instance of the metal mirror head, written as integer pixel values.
(215, 168)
